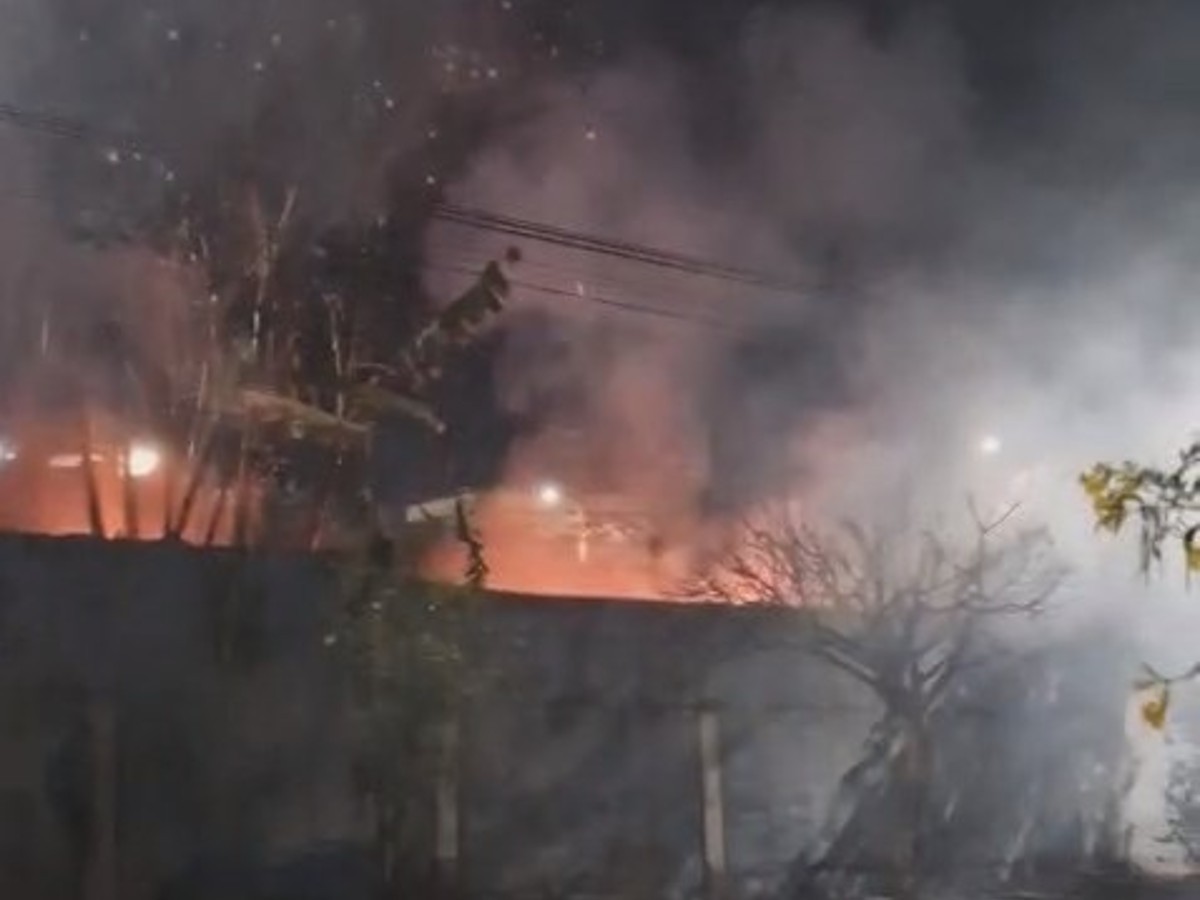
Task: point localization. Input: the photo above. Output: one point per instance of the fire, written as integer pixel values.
(545, 540)
(44, 468)
(540, 538)
(591, 545)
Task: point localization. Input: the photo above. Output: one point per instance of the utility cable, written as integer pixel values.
(69, 128)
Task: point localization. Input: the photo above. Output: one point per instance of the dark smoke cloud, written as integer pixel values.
(987, 254)
(986, 258)
(846, 160)
(346, 101)
(314, 92)
(992, 207)
(365, 108)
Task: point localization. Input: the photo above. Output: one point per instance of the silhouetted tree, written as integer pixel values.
(908, 618)
(402, 644)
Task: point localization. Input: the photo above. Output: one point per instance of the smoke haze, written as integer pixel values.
(998, 249)
(981, 261)
(988, 216)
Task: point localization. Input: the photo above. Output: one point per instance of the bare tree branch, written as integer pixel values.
(905, 618)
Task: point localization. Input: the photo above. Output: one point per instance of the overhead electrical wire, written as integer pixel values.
(72, 129)
(578, 282)
(562, 237)
(574, 271)
(60, 126)
(68, 128)
(596, 298)
(473, 271)
(44, 123)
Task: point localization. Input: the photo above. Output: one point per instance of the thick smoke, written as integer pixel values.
(841, 179)
(999, 276)
(970, 271)
(160, 106)
(326, 96)
(978, 281)
(974, 255)
(353, 105)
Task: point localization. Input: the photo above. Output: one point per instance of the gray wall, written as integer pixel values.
(579, 760)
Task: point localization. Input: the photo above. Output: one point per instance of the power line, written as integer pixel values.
(626, 250)
(43, 123)
(600, 299)
(627, 306)
(549, 290)
(65, 127)
(573, 271)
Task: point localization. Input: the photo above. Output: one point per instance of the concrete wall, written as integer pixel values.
(587, 760)
(578, 767)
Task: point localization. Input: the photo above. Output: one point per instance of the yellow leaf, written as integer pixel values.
(1110, 513)
(1191, 549)
(1155, 711)
(1095, 482)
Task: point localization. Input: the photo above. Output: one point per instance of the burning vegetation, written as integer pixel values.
(236, 392)
(239, 402)
(245, 416)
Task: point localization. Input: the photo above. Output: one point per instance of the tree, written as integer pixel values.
(402, 645)
(1165, 504)
(295, 209)
(1164, 501)
(908, 620)
(290, 357)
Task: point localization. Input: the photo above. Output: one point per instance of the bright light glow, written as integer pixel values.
(8, 451)
(990, 445)
(143, 460)
(71, 460)
(550, 495)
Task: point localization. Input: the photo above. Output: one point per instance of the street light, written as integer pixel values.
(549, 495)
(143, 460)
(989, 445)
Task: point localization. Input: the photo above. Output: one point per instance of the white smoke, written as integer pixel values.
(1024, 279)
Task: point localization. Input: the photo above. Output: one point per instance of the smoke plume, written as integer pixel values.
(980, 262)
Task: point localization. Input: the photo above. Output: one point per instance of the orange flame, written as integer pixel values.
(43, 485)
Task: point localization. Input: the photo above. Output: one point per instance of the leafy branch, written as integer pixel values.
(1164, 502)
